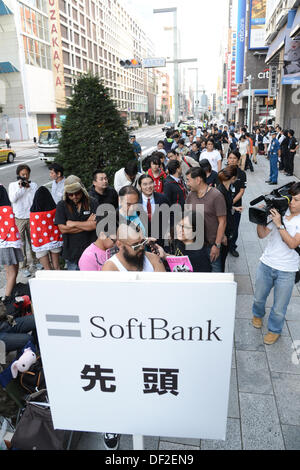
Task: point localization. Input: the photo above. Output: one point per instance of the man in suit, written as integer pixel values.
(150, 203)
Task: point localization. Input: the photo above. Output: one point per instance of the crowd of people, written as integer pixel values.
(111, 228)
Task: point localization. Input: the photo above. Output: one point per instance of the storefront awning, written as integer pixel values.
(4, 10)
(276, 45)
(296, 25)
(7, 67)
(257, 92)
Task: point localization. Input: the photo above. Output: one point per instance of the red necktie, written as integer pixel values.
(149, 209)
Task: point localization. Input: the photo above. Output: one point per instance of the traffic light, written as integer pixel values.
(131, 64)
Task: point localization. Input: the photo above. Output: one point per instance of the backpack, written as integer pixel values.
(33, 379)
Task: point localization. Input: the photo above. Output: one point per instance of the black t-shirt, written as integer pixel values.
(241, 183)
(75, 243)
(212, 179)
(293, 143)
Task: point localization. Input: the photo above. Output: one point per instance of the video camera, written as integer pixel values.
(278, 199)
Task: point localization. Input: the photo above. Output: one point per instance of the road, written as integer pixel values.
(147, 137)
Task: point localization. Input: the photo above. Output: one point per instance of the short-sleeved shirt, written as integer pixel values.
(241, 183)
(92, 259)
(214, 207)
(75, 243)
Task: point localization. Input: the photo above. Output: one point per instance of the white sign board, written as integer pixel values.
(137, 353)
(154, 62)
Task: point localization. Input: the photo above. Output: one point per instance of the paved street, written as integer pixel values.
(27, 153)
(264, 404)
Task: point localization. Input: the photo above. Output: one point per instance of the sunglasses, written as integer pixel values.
(74, 194)
(137, 246)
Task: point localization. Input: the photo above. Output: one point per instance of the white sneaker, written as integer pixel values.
(39, 267)
(26, 273)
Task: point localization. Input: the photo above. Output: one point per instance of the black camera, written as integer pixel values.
(24, 181)
(278, 199)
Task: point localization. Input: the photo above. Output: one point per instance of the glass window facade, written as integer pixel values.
(35, 32)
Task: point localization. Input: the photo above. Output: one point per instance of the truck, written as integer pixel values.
(48, 144)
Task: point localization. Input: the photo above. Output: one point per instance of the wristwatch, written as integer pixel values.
(218, 245)
(281, 227)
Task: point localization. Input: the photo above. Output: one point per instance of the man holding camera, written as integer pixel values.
(278, 266)
(21, 194)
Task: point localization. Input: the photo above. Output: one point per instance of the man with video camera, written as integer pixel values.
(21, 194)
(278, 266)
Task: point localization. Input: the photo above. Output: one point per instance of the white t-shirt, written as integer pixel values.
(243, 147)
(277, 254)
(213, 157)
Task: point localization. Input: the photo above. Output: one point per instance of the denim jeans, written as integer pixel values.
(72, 266)
(283, 283)
(216, 265)
(16, 337)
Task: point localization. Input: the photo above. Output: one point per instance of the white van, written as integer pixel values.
(48, 144)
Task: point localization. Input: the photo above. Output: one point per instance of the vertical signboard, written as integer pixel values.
(240, 45)
(57, 56)
(257, 24)
(143, 367)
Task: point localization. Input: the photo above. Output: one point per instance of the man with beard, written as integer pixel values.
(132, 255)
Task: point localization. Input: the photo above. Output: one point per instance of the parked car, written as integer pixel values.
(133, 125)
(169, 126)
(48, 144)
(7, 155)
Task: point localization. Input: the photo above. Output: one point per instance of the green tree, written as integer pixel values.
(93, 133)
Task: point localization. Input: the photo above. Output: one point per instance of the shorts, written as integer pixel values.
(41, 254)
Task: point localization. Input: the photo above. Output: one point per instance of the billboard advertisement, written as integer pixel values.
(240, 44)
(291, 68)
(258, 10)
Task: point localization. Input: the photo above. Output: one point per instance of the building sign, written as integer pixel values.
(240, 48)
(118, 358)
(273, 81)
(57, 56)
(257, 27)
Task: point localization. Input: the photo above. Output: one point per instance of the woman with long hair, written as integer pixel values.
(227, 177)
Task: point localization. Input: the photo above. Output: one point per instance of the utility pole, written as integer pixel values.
(249, 78)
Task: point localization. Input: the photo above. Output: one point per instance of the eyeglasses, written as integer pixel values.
(74, 194)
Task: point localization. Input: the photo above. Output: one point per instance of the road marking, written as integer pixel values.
(19, 163)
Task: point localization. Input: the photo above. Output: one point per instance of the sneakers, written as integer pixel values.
(111, 441)
(26, 273)
(39, 267)
(257, 322)
(271, 338)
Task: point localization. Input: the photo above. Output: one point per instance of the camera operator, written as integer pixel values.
(278, 266)
(21, 194)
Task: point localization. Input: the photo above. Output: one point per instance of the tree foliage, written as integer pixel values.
(93, 133)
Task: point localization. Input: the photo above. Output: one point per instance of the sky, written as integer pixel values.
(201, 24)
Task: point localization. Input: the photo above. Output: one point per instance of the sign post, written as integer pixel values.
(119, 359)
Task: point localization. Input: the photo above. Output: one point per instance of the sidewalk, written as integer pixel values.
(264, 402)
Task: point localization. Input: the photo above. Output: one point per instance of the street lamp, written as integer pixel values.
(175, 40)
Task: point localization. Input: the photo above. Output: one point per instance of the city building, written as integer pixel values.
(162, 81)
(46, 44)
(283, 58)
